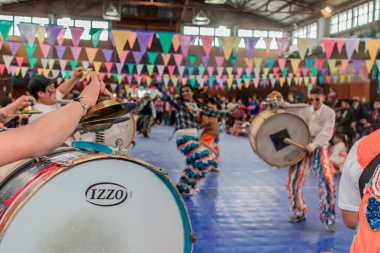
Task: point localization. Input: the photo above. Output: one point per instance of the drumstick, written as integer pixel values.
(289, 141)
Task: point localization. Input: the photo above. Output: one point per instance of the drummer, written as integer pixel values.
(321, 120)
(44, 91)
(49, 131)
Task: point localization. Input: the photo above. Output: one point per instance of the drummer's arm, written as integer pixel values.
(326, 133)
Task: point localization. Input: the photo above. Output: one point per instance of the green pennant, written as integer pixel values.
(165, 39)
(152, 57)
(192, 82)
(201, 70)
(233, 59)
(5, 27)
(243, 76)
(335, 78)
(33, 61)
(314, 71)
(67, 74)
(115, 76)
(95, 35)
(177, 89)
(74, 64)
(192, 58)
(285, 72)
(374, 69)
(29, 49)
(130, 68)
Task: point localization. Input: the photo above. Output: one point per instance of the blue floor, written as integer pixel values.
(244, 207)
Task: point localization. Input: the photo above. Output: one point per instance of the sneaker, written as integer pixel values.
(330, 227)
(296, 218)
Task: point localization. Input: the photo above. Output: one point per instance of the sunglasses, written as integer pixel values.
(316, 99)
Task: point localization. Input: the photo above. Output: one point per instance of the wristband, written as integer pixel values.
(82, 103)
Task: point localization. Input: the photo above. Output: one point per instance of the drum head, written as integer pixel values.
(122, 132)
(267, 140)
(106, 205)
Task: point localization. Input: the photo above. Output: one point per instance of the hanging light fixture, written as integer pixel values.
(201, 19)
(112, 11)
(327, 11)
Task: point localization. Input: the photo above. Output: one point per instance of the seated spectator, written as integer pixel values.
(338, 152)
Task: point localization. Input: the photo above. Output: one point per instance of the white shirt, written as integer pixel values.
(321, 123)
(349, 193)
(338, 149)
(49, 108)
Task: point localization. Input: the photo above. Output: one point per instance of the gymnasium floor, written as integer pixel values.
(244, 207)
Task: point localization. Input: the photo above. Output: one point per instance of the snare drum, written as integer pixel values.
(123, 132)
(79, 201)
(270, 128)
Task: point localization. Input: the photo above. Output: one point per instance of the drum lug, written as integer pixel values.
(193, 237)
(164, 172)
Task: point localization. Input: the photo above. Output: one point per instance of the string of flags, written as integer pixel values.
(174, 64)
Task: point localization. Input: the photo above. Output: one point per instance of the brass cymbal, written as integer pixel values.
(29, 110)
(101, 124)
(85, 74)
(110, 109)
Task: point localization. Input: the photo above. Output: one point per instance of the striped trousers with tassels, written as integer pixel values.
(199, 160)
(319, 163)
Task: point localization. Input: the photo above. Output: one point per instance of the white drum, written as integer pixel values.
(77, 201)
(123, 132)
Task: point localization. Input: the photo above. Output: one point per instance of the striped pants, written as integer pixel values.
(320, 164)
(198, 161)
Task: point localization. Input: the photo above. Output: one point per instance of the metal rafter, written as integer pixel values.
(183, 10)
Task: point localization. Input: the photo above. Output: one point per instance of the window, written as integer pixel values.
(377, 10)
(86, 24)
(259, 34)
(220, 31)
(309, 31)
(23, 19)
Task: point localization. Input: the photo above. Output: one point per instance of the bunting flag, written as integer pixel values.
(166, 58)
(24, 70)
(152, 56)
(228, 44)
(29, 31)
(119, 68)
(165, 39)
(373, 48)
(250, 45)
(357, 65)
(143, 39)
(19, 60)
(160, 69)
(295, 63)
(76, 33)
(32, 61)
(344, 64)
(109, 66)
(95, 35)
(132, 39)
(220, 70)
(331, 64)
(233, 59)
(60, 51)
(85, 64)
(41, 31)
(51, 63)
(308, 62)
(185, 42)
(150, 69)
(210, 71)
(178, 59)
(91, 53)
(171, 69)
(120, 37)
(205, 60)
(350, 47)
(339, 45)
(61, 36)
(282, 81)
(181, 70)
(192, 58)
(175, 42)
(107, 54)
(13, 45)
(201, 70)
(45, 48)
(329, 47)
(267, 41)
(219, 60)
(207, 41)
(62, 64)
(131, 66)
(302, 47)
(249, 62)
(190, 70)
(52, 32)
(270, 62)
(258, 62)
(314, 71)
(282, 43)
(123, 56)
(5, 27)
(7, 60)
(137, 55)
(75, 51)
(281, 63)
(320, 63)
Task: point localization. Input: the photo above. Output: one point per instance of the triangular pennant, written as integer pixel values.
(178, 59)
(91, 53)
(123, 55)
(339, 45)
(109, 66)
(119, 68)
(166, 58)
(229, 71)
(171, 69)
(41, 31)
(373, 48)
(369, 64)
(19, 60)
(120, 37)
(344, 64)
(219, 60)
(350, 47)
(303, 45)
(160, 69)
(175, 42)
(44, 62)
(207, 41)
(282, 44)
(24, 70)
(181, 69)
(342, 78)
(233, 59)
(331, 64)
(62, 64)
(97, 65)
(205, 60)
(192, 58)
(13, 45)
(320, 63)
(174, 80)
(137, 55)
(267, 42)
(132, 39)
(60, 51)
(61, 36)
(51, 63)
(329, 47)
(139, 68)
(308, 62)
(152, 56)
(30, 31)
(357, 65)
(228, 44)
(165, 39)
(282, 81)
(270, 62)
(45, 48)
(76, 33)
(33, 61)
(95, 35)
(150, 69)
(281, 63)
(76, 52)
(107, 54)
(249, 62)
(220, 70)
(295, 63)
(131, 66)
(250, 45)
(190, 70)
(185, 42)
(285, 72)
(85, 64)
(52, 32)
(210, 71)
(258, 62)
(143, 39)
(201, 70)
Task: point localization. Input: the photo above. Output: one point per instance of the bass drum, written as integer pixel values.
(123, 132)
(270, 128)
(79, 201)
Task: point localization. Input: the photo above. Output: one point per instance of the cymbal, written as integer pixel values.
(85, 74)
(101, 124)
(110, 109)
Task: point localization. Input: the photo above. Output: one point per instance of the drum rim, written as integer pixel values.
(285, 164)
(29, 191)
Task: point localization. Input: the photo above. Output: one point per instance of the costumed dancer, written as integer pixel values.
(147, 114)
(321, 120)
(198, 158)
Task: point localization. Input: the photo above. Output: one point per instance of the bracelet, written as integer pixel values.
(82, 103)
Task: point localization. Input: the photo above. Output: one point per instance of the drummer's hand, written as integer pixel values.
(20, 103)
(307, 149)
(78, 72)
(275, 95)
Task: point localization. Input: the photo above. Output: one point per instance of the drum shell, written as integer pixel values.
(16, 176)
(266, 123)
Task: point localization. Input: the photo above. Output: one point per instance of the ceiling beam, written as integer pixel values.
(183, 10)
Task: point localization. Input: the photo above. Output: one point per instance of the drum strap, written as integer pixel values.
(368, 173)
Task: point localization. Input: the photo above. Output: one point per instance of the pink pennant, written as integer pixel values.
(178, 59)
(76, 33)
(2, 67)
(210, 70)
(304, 71)
(171, 70)
(129, 79)
(45, 48)
(75, 51)
(101, 76)
(239, 71)
(329, 47)
(84, 82)
(19, 60)
(171, 88)
(132, 39)
(275, 70)
(320, 63)
(185, 42)
(109, 66)
(207, 41)
(340, 44)
(61, 36)
(282, 63)
(281, 43)
(219, 60)
(328, 79)
(123, 56)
